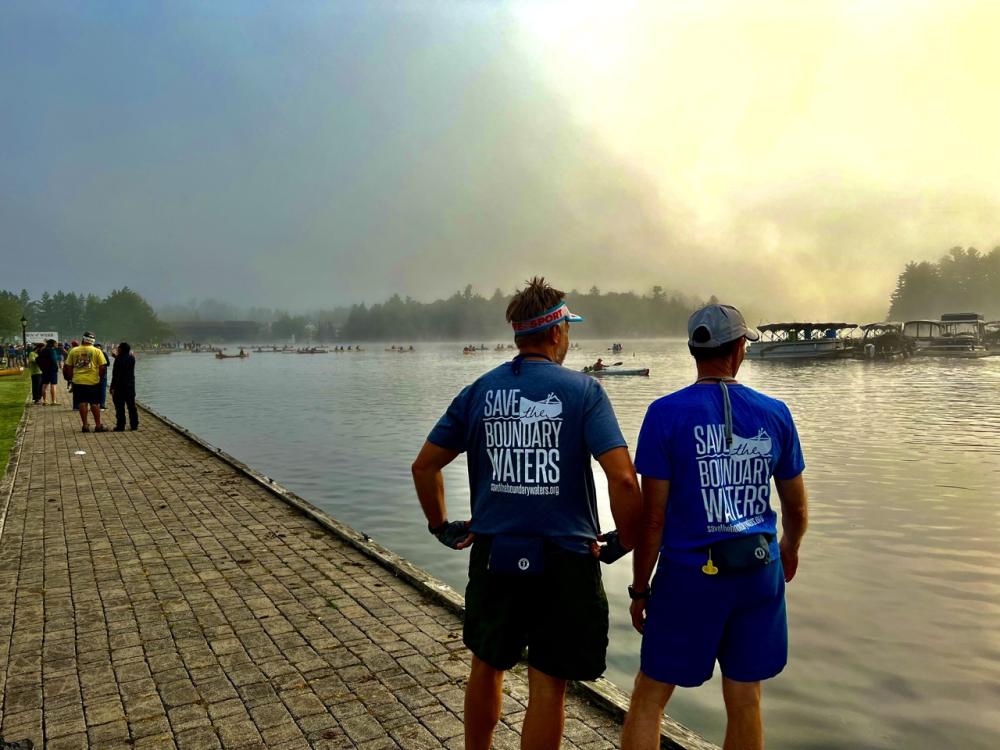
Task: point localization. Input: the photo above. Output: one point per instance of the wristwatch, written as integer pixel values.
(636, 595)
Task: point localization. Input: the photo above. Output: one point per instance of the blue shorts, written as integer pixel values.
(50, 378)
(693, 619)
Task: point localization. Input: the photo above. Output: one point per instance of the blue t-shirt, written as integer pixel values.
(529, 439)
(717, 494)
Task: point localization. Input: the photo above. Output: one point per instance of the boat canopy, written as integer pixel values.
(923, 329)
(806, 326)
(961, 318)
(881, 327)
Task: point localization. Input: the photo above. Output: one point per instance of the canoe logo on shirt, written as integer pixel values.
(755, 446)
(522, 442)
(535, 411)
(735, 481)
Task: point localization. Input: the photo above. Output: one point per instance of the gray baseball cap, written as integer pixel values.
(715, 325)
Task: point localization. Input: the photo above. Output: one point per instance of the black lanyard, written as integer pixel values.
(515, 364)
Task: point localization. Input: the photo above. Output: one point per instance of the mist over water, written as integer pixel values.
(893, 613)
(790, 158)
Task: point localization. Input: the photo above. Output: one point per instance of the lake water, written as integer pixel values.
(894, 615)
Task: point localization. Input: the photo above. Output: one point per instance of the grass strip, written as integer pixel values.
(14, 391)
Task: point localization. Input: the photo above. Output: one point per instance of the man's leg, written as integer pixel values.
(83, 414)
(95, 409)
(119, 401)
(483, 696)
(543, 722)
(133, 413)
(642, 724)
(744, 729)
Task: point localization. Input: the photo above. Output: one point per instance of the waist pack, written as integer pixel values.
(739, 554)
(518, 555)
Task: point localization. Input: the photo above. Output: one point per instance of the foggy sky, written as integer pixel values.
(305, 155)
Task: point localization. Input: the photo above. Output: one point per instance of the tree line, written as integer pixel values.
(123, 315)
(963, 280)
(470, 316)
(467, 315)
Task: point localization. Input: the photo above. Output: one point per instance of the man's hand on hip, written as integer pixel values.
(612, 549)
(454, 534)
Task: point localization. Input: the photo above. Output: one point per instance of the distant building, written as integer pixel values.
(215, 330)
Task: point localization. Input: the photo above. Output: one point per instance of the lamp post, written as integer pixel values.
(24, 338)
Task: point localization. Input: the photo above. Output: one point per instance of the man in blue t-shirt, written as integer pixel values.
(530, 428)
(707, 454)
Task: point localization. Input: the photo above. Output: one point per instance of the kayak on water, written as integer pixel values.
(607, 371)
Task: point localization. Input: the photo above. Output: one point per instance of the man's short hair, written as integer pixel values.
(723, 351)
(530, 302)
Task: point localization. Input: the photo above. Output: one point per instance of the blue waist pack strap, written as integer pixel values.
(520, 555)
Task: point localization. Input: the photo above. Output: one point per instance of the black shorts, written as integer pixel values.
(560, 616)
(86, 394)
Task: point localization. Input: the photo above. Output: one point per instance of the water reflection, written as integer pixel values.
(893, 613)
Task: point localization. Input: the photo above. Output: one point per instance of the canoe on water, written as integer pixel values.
(616, 371)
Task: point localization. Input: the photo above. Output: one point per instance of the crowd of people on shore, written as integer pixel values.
(84, 369)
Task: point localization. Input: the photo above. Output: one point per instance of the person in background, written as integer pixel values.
(66, 349)
(49, 360)
(707, 454)
(36, 372)
(85, 366)
(104, 380)
(123, 388)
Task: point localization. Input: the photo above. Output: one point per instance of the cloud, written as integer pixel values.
(332, 154)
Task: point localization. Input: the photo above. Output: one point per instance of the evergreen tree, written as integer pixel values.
(964, 280)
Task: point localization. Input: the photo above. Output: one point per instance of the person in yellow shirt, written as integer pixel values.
(85, 366)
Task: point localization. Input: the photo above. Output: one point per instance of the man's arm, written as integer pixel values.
(647, 548)
(623, 489)
(429, 481)
(794, 521)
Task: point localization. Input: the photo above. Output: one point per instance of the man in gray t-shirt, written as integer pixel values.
(530, 428)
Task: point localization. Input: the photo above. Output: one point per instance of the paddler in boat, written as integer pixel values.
(599, 365)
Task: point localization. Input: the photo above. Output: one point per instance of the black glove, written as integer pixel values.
(612, 549)
(450, 533)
